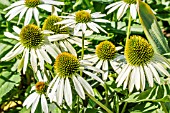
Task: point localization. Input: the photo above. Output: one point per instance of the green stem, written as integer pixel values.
(164, 107)
(78, 104)
(99, 103)
(128, 28)
(82, 52)
(124, 107)
(106, 94)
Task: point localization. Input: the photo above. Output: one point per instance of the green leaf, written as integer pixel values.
(7, 82)
(151, 28)
(25, 110)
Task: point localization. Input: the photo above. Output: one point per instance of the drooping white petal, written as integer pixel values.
(121, 11)
(85, 85)
(105, 68)
(39, 76)
(67, 21)
(149, 75)
(137, 78)
(99, 64)
(44, 105)
(70, 48)
(46, 7)
(115, 6)
(155, 73)
(93, 76)
(36, 15)
(34, 105)
(10, 35)
(67, 92)
(84, 27)
(60, 92)
(63, 46)
(16, 29)
(22, 14)
(132, 80)
(45, 56)
(92, 27)
(77, 28)
(122, 72)
(97, 26)
(51, 50)
(58, 37)
(17, 3)
(33, 60)
(142, 74)
(56, 85)
(28, 16)
(126, 82)
(97, 15)
(26, 60)
(101, 20)
(51, 83)
(123, 75)
(159, 67)
(30, 99)
(133, 11)
(78, 87)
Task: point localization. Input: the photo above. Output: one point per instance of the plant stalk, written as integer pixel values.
(128, 28)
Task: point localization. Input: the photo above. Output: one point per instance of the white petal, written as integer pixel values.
(28, 16)
(159, 67)
(45, 56)
(46, 7)
(22, 14)
(149, 75)
(44, 105)
(26, 58)
(155, 73)
(56, 85)
(84, 27)
(51, 51)
(78, 87)
(53, 2)
(60, 92)
(113, 4)
(58, 37)
(51, 83)
(30, 99)
(132, 80)
(105, 68)
(39, 76)
(10, 35)
(34, 105)
(77, 28)
(41, 59)
(99, 64)
(115, 7)
(17, 3)
(101, 20)
(97, 15)
(121, 11)
(36, 15)
(17, 29)
(133, 11)
(67, 92)
(67, 21)
(142, 74)
(70, 48)
(122, 72)
(137, 78)
(85, 85)
(92, 27)
(33, 60)
(93, 76)
(97, 26)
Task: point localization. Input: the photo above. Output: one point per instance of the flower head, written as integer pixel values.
(38, 95)
(105, 54)
(122, 6)
(30, 8)
(68, 67)
(142, 63)
(61, 37)
(82, 20)
(32, 44)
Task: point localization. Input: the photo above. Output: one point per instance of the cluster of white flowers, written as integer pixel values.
(55, 42)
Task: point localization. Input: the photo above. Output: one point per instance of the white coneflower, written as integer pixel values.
(105, 55)
(82, 20)
(122, 6)
(61, 37)
(30, 8)
(142, 64)
(33, 45)
(38, 95)
(68, 68)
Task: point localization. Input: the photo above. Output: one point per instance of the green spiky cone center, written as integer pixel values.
(138, 51)
(66, 65)
(105, 50)
(31, 36)
(83, 17)
(32, 3)
(130, 1)
(40, 87)
(49, 24)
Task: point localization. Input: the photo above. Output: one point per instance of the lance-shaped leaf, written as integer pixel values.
(151, 28)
